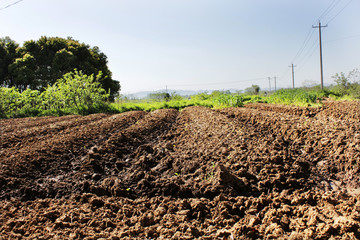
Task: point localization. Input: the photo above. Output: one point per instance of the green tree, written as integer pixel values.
(8, 54)
(23, 73)
(40, 63)
(341, 80)
(348, 84)
(254, 89)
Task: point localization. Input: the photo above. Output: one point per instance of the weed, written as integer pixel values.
(211, 175)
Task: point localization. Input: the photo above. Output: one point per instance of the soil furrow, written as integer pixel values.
(327, 148)
(12, 141)
(21, 124)
(121, 162)
(52, 162)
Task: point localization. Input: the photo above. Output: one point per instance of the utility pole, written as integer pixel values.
(321, 64)
(293, 80)
(275, 82)
(269, 84)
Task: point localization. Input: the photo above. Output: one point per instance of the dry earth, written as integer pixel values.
(259, 172)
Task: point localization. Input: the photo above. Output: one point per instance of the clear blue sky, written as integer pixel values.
(199, 44)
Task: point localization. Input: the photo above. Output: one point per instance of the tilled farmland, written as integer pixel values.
(258, 172)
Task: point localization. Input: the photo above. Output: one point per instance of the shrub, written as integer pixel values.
(75, 93)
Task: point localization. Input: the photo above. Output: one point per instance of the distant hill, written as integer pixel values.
(184, 93)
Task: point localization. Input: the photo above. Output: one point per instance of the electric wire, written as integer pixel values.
(339, 39)
(348, 3)
(282, 77)
(12, 4)
(303, 46)
(308, 54)
(308, 37)
(329, 9)
(302, 55)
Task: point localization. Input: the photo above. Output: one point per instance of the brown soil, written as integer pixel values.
(260, 172)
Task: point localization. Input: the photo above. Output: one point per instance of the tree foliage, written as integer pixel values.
(8, 54)
(40, 63)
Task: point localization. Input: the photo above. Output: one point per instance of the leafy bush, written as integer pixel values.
(75, 93)
(9, 98)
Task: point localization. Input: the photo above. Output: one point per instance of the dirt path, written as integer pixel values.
(259, 172)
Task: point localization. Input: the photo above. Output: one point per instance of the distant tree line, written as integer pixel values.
(38, 64)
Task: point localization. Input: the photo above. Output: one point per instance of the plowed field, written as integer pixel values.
(259, 172)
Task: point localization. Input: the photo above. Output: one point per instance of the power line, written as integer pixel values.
(339, 39)
(12, 4)
(339, 12)
(306, 41)
(284, 74)
(329, 9)
(308, 54)
(311, 31)
(309, 35)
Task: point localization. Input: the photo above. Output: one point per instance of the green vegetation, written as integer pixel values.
(37, 64)
(75, 93)
(297, 96)
(78, 93)
(347, 87)
(216, 99)
(253, 90)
